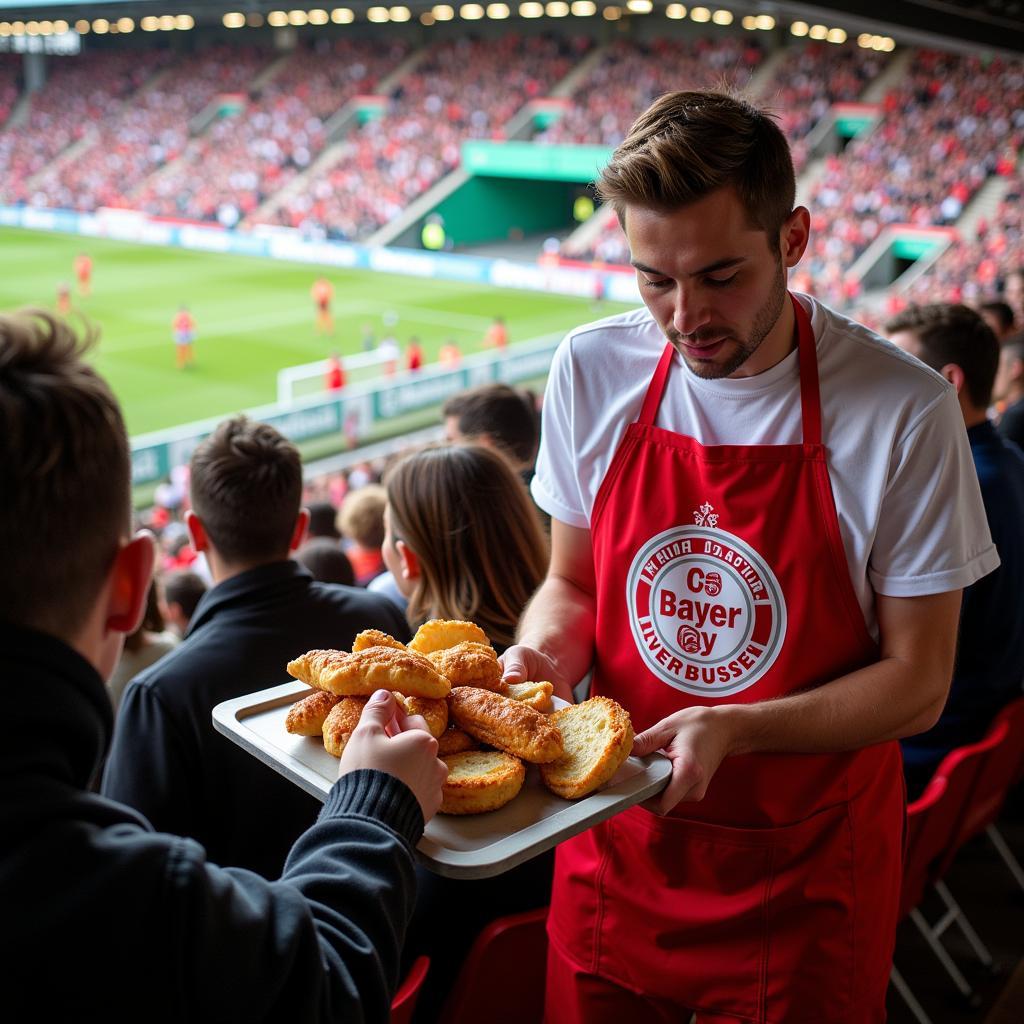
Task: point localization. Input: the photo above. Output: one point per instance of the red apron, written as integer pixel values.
(722, 578)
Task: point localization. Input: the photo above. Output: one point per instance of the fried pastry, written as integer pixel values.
(374, 668)
(533, 695)
(470, 664)
(454, 741)
(306, 716)
(505, 723)
(480, 780)
(434, 712)
(375, 638)
(341, 723)
(439, 634)
(598, 736)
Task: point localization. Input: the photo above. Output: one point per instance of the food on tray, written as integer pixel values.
(375, 668)
(453, 741)
(306, 717)
(480, 780)
(506, 724)
(375, 638)
(341, 723)
(440, 634)
(469, 664)
(598, 737)
(534, 695)
(434, 712)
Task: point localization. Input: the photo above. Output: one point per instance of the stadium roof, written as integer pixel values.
(962, 24)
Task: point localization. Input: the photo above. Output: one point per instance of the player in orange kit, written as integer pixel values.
(334, 378)
(497, 334)
(63, 298)
(184, 334)
(323, 292)
(83, 272)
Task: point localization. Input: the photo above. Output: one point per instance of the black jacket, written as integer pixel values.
(105, 919)
(168, 762)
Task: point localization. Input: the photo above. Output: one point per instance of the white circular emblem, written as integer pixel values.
(707, 613)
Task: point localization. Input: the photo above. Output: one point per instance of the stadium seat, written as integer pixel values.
(486, 990)
(404, 1003)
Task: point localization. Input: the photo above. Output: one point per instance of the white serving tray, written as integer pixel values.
(470, 846)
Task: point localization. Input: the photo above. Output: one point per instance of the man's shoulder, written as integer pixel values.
(633, 326)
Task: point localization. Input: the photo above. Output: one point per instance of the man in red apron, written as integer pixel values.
(763, 518)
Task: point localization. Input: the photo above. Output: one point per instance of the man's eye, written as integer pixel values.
(719, 282)
(660, 282)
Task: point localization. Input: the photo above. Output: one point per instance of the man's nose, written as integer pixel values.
(690, 312)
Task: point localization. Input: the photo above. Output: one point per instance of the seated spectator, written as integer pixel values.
(167, 760)
(1009, 389)
(999, 316)
(105, 919)
(326, 562)
(181, 593)
(142, 648)
(361, 522)
(322, 516)
(452, 562)
(956, 342)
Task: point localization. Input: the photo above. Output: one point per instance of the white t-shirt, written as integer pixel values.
(906, 491)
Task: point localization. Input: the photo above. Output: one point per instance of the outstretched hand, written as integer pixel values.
(696, 744)
(521, 664)
(391, 741)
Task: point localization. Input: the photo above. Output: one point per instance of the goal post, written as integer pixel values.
(295, 382)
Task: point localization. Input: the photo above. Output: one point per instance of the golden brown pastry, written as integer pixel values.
(480, 780)
(376, 668)
(470, 664)
(434, 712)
(534, 695)
(439, 634)
(375, 638)
(306, 717)
(454, 741)
(341, 723)
(505, 723)
(598, 736)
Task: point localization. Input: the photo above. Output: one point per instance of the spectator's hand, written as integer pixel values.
(521, 664)
(401, 745)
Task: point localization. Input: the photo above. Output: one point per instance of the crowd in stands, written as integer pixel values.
(227, 171)
(462, 89)
(10, 73)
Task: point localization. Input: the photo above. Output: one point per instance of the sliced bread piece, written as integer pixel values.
(480, 780)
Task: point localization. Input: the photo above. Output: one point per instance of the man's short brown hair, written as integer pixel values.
(505, 414)
(247, 490)
(687, 145)
(65, 475)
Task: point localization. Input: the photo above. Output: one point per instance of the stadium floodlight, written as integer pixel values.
(640, 6)
(888, 44)
(799, 28)
(298, 18)
(818, 32)
(184, 22)
(18, 28)
(32, 28)
(498, 11)
(400, 13)
(5, 29)
(765, 22)
(612, 13)
(233, 19)
(700, 14)
(277, 19)
(532, 9)
(442, 12)
(378, 15)
(583, 8)
(836, 35)
(675, 11)
(749, 23)
(125, 25)
(318, 17)
(426, 18)
(82, 26)
(149, 24)
(101, 26)
(722, 17)
(471, 12)
(342, 16)
(60, 26)
(557, 9)
(167, 23)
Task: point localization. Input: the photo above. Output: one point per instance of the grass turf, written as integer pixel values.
(253, 317)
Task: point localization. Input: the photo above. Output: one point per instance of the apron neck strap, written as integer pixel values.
(810, 399)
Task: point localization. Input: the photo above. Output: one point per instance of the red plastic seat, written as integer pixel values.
(404, 1003)
(928, 823)
(1013, 715)
(502, 980)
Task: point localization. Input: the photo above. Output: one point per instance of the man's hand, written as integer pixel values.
(521, 664)
(696, 742)
(401, 745)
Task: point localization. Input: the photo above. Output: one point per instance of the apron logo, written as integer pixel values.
(708, 615)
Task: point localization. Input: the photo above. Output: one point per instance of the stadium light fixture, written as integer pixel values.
(675, 11)
(125, 25)
(378, 15)
(427, 18)
(5, 29)
(233, 19)
(60, 26)
(584, 8)
(82, 27)
(46, 28)
(612, 13)
(700, 15)
(32, 28)
(818, 32)
(101, 26)
(443, 12)
(532, 9)
(471, 12)
(836, 35)
(888, 44)
(184, 22)
(342, 16)
(318, 17)
(765, 22)
(799, 28)
(149, 24)
(277, 19)
(640, 6)
(298, 18)
(722, 17)
(18, 28)
(557, 9)
(749, 23)
(400, 13)
(498, 11)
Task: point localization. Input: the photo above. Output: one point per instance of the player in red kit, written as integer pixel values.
(83, 272)
(334, 378)
(184, 334)
(323, 292)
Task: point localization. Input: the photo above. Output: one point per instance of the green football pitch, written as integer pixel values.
(253, 317)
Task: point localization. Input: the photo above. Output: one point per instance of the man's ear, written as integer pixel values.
(196, 530)
(410, 562)
(796, 230)
(955, 375)
(130, 578)
(301, 526)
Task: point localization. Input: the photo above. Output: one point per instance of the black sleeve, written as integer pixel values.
(152, 763)
(321, 944)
